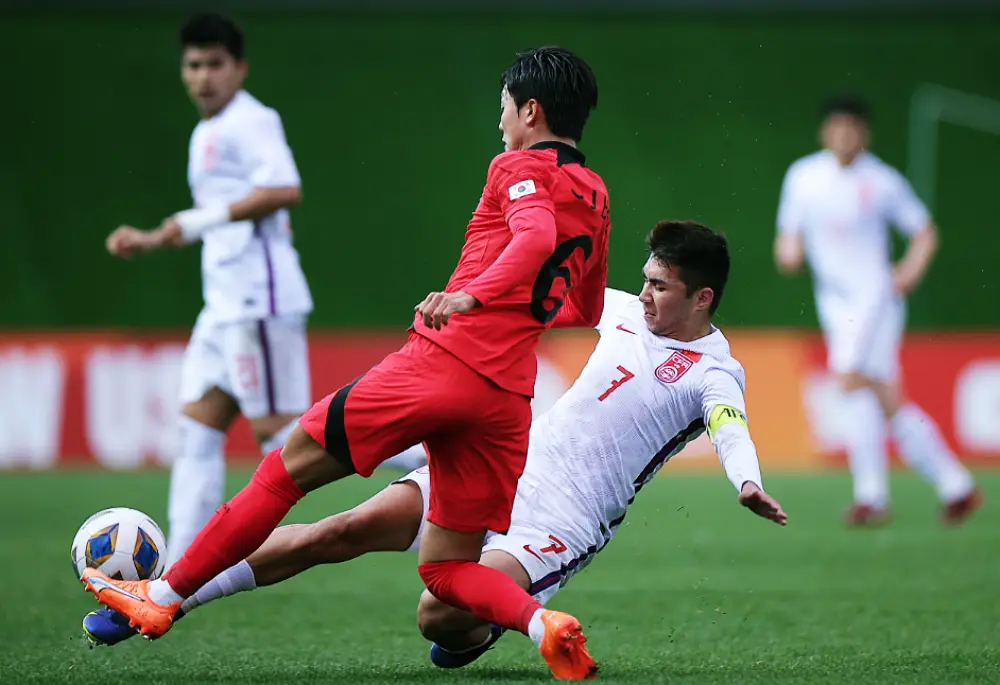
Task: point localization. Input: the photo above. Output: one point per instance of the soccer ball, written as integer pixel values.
(123, 543)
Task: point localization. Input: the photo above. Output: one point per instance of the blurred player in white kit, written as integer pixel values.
(248, 352)
(835, 209)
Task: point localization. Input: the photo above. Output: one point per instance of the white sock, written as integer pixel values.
(924, 449)
(408, 460)
(866, 454)
(197, 484)
(238, 578)
(278, 440)
(536, 628)
(161, 593)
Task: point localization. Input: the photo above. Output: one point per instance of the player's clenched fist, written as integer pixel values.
(762, 504)
(125, 241)
(437, 308)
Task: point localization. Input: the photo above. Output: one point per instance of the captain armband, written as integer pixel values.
(723, 414)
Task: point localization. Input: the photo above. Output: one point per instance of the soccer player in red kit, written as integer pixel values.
(535, 256)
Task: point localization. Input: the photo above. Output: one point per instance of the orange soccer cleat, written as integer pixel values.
(564, 648)
(130, 598)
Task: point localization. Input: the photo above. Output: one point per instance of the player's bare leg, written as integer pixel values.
(387, 522)
(558, 636)
(198, 472)
(237, 530)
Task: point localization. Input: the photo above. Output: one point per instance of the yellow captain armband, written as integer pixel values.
(723, 414)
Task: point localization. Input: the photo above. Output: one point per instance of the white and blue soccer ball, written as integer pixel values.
(123, 543)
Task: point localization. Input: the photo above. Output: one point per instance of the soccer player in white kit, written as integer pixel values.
(835, 209)
(660, 375)
(248, 352)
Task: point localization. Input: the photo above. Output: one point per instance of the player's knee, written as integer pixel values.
(307, 462)
(433, 618)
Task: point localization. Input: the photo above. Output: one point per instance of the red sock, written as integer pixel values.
(484, 592)
(238, 528)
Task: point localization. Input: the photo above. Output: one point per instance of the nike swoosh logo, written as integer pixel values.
(99, 585)
(622, 328)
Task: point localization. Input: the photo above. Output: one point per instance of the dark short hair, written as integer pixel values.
(209, 30)
(848, 104)
(699, 254)
(562, 83)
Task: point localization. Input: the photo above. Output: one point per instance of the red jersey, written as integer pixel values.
(537, 240)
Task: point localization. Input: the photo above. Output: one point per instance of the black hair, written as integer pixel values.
(562, 83)
(699, 254)
(209, 30)
(848, 104)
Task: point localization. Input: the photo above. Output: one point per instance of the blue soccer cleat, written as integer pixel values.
(442, 658)
(107, 627)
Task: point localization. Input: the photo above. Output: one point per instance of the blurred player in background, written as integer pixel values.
(835, 208)
(535, 251)
(248, 351)
(660, 375)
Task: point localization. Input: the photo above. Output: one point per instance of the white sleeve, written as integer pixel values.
(614, 300)
(790, 210)
(266, 151)
(906, 211)
(724, 411)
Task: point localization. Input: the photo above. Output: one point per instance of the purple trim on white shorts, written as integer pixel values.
(265, 349)
(259, 232)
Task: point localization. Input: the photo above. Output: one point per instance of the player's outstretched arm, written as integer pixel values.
(722, 399)
(188, 226)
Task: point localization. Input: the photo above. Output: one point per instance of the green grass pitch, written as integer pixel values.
(694, 590)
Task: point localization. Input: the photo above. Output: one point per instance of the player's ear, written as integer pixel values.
(703, 298)
(532, 112)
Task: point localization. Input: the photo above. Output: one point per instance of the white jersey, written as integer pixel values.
(843, 215)
(637, 402)
(249, 268)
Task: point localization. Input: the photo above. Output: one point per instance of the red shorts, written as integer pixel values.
(476, 433)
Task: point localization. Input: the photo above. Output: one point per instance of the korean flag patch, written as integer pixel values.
(521, 188)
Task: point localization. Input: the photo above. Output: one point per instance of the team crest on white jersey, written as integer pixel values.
(676, 366)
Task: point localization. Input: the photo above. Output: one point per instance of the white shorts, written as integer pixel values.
(263, 364)
(863, 340)
(548, 561)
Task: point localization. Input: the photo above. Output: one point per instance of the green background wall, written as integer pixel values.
(393, 122)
